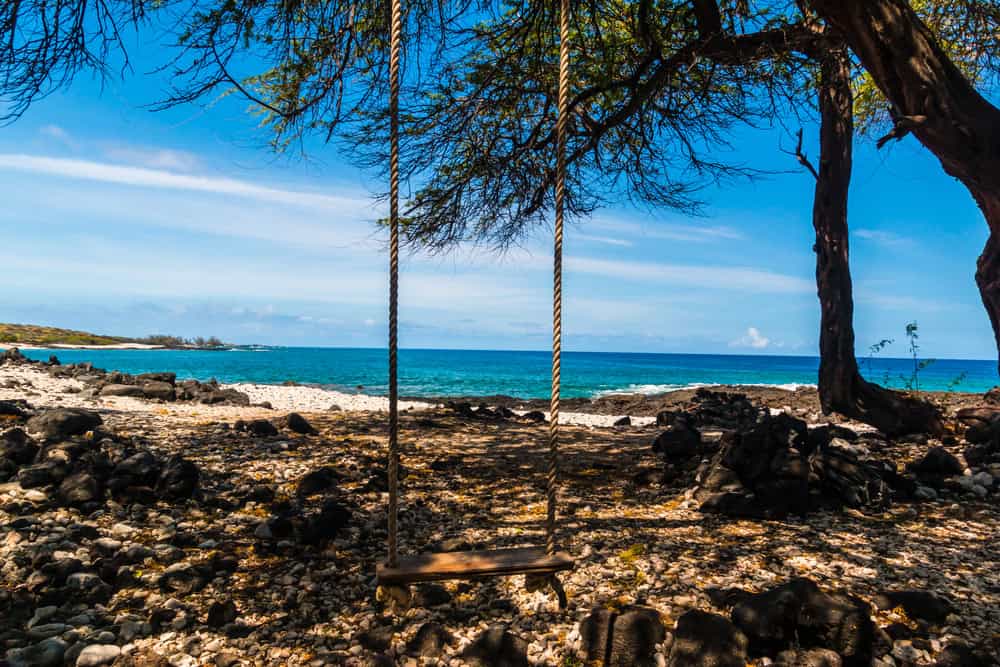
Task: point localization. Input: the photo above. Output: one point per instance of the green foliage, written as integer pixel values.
(30, 334)
(657, 90)
(967, 30)
(651, 109)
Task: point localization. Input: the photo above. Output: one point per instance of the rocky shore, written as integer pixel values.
(150, 521)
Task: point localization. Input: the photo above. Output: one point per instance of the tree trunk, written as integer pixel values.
(933, 100)
(841, 387)
(838, 367)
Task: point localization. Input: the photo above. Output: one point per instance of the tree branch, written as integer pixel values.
(800, 156)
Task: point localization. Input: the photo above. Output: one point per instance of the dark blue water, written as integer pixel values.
(523, 374)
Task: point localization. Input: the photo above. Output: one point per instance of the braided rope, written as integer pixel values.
(561, 122)
(394, 39)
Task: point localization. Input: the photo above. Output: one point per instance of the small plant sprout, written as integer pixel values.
(957, 380)
(912, 383)
(876, 349)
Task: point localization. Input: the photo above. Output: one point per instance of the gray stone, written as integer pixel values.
(162, 391)
(98, 654)
(40, 474)
(61, 423)
(430, 641)
(221, 613)
(634, 637)
(82, 580)
(938, 462)
(131, 629)
(317, 481)
(179, 479)
(79, 488)
(43, 614)
(923, 605)
(107, 546)
(46, 653)
(680, 441)
(983, 479)
(800, 610)
(121, 390)
(496, 647)
(702, 639)
(431, 595)
(46, 630)
(297, 423)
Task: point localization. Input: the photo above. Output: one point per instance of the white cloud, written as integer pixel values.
(153, 158)
(226, 217)
(55, 132)
(155, 178)
(908, 304)
(711, 277)
(753, 339)
(606, 240)
(668, 231)
(881, 237)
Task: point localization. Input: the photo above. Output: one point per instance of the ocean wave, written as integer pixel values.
(651, 389)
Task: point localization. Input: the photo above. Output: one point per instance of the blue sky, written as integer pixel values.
(120, 220)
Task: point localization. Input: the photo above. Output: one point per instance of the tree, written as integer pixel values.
(658, 88)
(935, 101)
(841, 387)
(44, 45)
(651, 102)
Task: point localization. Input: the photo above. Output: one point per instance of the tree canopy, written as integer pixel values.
(45, 44)
(658, 88)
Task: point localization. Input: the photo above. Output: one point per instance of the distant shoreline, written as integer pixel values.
(113, 346)
(68, 346)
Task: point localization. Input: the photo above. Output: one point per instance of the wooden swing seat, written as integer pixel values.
(473, 564)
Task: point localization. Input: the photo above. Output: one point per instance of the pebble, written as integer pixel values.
(303, 606)
(107, 545)
(46, 630)
(122, 529)
(983, 479)
(98, 654)
(43, 614)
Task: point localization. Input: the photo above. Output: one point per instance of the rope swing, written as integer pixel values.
(395, 33)
(552, 480)
(539, 565)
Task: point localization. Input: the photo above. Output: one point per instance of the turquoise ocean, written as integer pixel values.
(514, 373)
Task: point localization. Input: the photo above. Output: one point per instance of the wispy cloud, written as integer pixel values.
(606, 240)
(753, 338)
(710, 277)
(156, 178)
(909, 304)
(881, 237)
(57, 133)
(121, 152)
(153, 158)
(665, 230)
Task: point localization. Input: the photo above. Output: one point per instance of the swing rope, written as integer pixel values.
(561, 122)
(395, 33)
(560, 194)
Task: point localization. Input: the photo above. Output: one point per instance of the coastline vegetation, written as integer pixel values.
(33, 334)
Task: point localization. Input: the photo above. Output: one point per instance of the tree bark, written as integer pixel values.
(838, 367)
(934, 101)
(841, 387)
